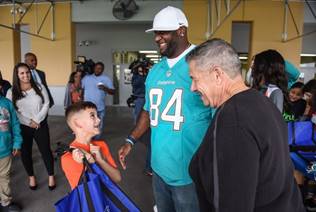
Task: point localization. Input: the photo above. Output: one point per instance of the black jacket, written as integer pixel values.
(41, 74)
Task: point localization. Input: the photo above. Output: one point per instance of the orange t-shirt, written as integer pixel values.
(73, 170)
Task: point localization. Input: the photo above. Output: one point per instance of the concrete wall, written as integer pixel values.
(101, 11)
(112, 37)
(107, 38)
(6, 45)
(309, 41)
(267, 18)
(308, 16)
(241, 37)
(55, 57)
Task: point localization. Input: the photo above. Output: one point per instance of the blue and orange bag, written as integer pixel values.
(95, 192)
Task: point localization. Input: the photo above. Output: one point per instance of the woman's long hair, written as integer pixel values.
(17, 92)
(72, 77)
(310, 86)
(269, 68)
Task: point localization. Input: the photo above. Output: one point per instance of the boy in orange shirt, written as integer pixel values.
(83, 120)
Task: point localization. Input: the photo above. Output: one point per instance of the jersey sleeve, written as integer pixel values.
(292, 73)
(147, 99)
(72, 169)
(15, 127)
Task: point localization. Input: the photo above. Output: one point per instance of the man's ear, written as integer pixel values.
(181, 31)
(218, 76)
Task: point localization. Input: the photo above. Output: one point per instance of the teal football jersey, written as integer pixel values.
(178, 120)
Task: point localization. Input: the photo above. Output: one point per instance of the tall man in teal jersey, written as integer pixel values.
(177, 117)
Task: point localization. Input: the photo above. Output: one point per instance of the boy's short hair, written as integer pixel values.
(77, 107)
(297, 85)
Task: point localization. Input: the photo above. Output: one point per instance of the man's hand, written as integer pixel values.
(142, 125)
(106, 89)
(102, 87)
(16, 152)
(123, 152)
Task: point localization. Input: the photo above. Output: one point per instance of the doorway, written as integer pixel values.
(122, 75)
(241, 41)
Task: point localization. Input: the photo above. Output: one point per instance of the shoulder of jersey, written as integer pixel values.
(155, 67)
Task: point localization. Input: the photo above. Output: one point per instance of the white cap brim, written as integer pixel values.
(164, 29)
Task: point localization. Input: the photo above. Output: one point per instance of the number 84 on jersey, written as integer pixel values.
(173, 104)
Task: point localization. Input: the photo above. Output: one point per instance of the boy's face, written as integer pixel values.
(295, 94)
(90, 122)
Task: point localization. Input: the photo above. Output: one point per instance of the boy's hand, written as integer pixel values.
(77, 155)
(16, 152)
(123, 152)
(95, 151)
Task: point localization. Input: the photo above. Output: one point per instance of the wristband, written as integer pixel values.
(131, 140)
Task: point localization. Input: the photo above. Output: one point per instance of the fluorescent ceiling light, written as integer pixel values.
(308, 55)
(243, 58)
(308, 65)
(147, 52)
(154, 59)
(152, 56)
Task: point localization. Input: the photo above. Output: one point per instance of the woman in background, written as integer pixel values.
(32, 103)
(74, 91)
(269, 77)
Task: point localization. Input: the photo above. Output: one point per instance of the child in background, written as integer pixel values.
(297, 104)
(10, 145)
(309, 91)
(83, 120)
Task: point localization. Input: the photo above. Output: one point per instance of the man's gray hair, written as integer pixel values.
(216, 52)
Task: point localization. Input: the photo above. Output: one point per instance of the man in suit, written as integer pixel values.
(38, 75)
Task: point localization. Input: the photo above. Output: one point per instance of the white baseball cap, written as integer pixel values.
(169, 19)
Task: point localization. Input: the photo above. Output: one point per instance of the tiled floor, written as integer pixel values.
(118, 124)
